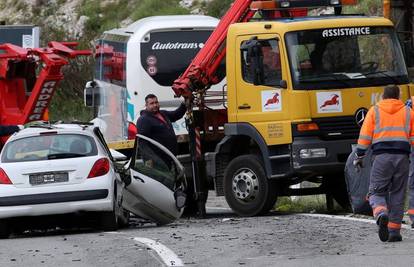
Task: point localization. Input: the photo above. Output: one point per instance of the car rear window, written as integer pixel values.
(49, 147)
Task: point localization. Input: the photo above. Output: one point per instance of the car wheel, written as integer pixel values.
(110, 219)
(123, 218)
(4, 229)
(122, 214)
(246, 187)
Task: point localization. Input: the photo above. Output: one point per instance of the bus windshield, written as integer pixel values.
(165, 55)
(345, 57)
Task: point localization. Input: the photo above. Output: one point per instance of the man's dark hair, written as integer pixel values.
(150, 96)
(391, 91)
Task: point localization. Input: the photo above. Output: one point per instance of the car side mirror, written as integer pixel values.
(91, 94)
(117, 155)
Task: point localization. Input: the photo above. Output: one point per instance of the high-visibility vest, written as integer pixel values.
(380, 126)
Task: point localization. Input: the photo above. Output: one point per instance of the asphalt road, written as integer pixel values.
(222, 239)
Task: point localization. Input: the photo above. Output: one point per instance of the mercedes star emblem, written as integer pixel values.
(360, 116)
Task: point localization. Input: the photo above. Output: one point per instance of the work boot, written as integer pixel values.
(382, 222)
(394, 237)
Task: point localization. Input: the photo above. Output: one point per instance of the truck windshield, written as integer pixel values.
(345, 57)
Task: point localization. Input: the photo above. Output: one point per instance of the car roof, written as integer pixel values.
(61, 128)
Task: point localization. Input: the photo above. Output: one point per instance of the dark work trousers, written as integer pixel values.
(411, 188)
(388, 183)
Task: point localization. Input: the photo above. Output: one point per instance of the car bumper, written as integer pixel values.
(337, 152)
(49, 198)
(92, 195)
(56, 208)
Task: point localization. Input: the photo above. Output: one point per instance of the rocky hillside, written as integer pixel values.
(83, 19)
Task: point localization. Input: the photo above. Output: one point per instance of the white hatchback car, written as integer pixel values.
(58, 169)
(53, 169)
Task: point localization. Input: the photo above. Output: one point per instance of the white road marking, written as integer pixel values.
(339, 217)
(218, 208)
(166, 254)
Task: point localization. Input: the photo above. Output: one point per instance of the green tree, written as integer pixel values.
(147, 8)
(217, 8)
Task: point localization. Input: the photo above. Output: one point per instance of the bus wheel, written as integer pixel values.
(246, 187)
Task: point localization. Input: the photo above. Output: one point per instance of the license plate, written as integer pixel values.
(48, 178)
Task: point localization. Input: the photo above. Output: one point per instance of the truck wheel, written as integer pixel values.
(246, 187)
(4, 229)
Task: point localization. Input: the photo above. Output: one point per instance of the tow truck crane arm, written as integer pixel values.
(29, 78)
(201, 73)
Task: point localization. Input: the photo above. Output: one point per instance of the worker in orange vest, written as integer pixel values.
(389, 129)
(411, 177)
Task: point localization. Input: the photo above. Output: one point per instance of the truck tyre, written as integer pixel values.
(4, 229)
(246, 187)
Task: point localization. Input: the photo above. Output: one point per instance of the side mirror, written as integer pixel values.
(254, 57)
(117, 155)
(91, 94)
(283, 84)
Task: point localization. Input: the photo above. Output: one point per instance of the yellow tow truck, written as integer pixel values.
(298, 90)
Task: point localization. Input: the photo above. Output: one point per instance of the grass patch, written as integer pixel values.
(305, 204)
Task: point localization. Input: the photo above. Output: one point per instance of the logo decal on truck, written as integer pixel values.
(43, 101)
(176, 45)
(346, 32)
(271, 100)
(329, 102)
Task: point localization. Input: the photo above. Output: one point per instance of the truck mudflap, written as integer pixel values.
(357, 183)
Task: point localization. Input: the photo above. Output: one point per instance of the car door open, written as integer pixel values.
(154, 182)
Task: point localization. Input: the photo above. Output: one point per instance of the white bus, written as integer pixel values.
(142, 58)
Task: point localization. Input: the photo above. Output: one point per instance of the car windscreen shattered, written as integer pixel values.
(49, 147)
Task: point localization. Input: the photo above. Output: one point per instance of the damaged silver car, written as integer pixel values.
(153, 182)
